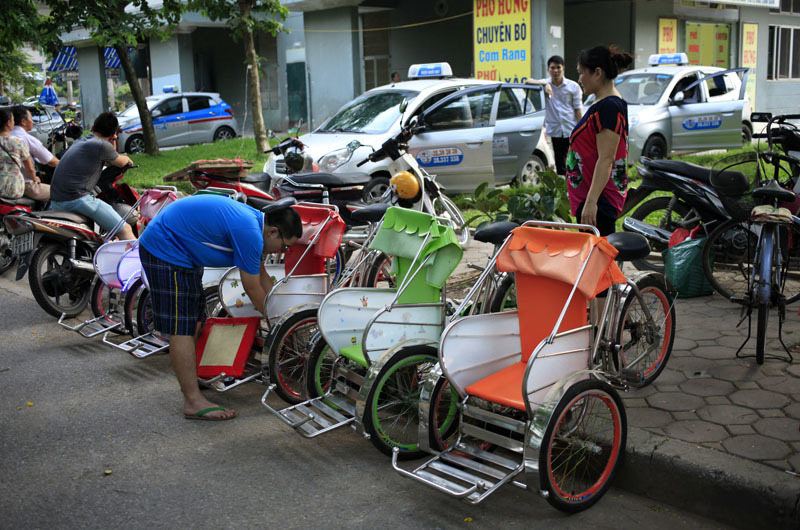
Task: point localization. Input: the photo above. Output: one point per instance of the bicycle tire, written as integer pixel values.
(790, 249)
(763, 286)
(101, 300)
(654, 206)
(505, 297)
(589, 415)
(761, 331)
(727, 259)
(443, 419)
(319, 368)
(288, 355)
(380, 272)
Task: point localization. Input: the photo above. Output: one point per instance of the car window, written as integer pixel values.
(470, 110)
(198, 102)
(171, 106)
(370, 113)
(718, 85)
(693, 94)
(517, 102)
(642, 88)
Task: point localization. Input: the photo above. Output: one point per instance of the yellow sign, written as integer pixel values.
(708, 44)
(502, 40)
(749, 56)
(667, 35)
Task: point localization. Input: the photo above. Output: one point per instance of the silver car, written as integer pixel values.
(674, 106)
(485, 136)
(46, 121)
(179, 118)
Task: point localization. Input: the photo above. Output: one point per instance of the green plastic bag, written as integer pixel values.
(683, 267)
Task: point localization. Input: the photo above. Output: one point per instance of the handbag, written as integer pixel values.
(9, 187)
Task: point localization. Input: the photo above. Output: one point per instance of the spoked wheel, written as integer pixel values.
(505, 298)
(727, 259)
(380, 273)
(320, 367)
(583, 445)
(641, 348)
(444, 207)
(106, 303)
(392, 417)
(336, 265)
(289, 354)
(56, 285)
(443, 419)
(761, 331)
(6, 262)
(665, 213)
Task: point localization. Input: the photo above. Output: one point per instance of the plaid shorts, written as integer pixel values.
(176, 294)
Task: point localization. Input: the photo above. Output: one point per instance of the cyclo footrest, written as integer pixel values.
(94, 327)
(315, 416)
(141, 346)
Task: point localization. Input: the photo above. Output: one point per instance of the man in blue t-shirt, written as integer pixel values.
(207, 231)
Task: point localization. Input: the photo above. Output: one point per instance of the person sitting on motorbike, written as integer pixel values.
(34, 187)
(14, 156)
(207, 231)
(80, 169)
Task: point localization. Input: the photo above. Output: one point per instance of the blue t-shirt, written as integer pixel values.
(207, 231)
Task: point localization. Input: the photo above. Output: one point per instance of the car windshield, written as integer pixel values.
(642, 88)
(370, 113)
(133, 110)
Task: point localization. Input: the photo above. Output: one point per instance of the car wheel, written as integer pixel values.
(224, 133)
(747, 134)
(529, 174)
(135, 145)
(655, 147)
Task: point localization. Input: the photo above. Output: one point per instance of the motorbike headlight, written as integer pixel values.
(335, 159)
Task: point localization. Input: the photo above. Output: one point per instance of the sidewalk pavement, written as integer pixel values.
(715, 434)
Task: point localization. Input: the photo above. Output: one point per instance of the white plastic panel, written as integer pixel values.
(569, 353)
(403, 323)
(477, 346)
(129, 268)
(296, 290)
(344, 314)
(107, 258)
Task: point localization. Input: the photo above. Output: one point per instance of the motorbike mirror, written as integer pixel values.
(762, 117)
(403, 105)
(352, 146)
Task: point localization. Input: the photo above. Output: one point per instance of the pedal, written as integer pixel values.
(141, 346)
(633, 377)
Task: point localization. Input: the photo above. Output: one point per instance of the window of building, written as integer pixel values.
(783, 54)
(788, 7)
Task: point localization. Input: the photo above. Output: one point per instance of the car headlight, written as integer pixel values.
(335, 159)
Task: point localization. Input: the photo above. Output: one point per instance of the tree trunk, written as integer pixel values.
(150, 140)
(255, 85)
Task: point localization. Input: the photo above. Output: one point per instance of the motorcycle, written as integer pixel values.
(56, 248)
(11, 207)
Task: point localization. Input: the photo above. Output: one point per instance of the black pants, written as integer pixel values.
(560, 149)
(605, 223)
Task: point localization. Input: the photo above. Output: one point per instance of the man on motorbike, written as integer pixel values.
(207, 231)
(34, 187)
(80, 169)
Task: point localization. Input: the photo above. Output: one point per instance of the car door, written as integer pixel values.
(201, 118)
(517, 127)
(170, 123)
(456, 142)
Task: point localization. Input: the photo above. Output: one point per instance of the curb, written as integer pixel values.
(725, 488)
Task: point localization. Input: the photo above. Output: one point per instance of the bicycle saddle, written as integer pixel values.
(331, 180)
(370, 214)
(495, 233)
(280, 204)
(773, 190)
(631, 246)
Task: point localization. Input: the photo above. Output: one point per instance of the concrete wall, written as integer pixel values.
(294, 40)
(94, 90)
(588, 24)
(333, 60)
(171, 63)
(647, 13)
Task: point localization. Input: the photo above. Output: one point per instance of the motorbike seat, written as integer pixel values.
(332, 180)
(258, 202)
(631, 246)
(495, 233)
(370, 214)
(252, 178)
(686, 169)
(64, 216)
(22, 201)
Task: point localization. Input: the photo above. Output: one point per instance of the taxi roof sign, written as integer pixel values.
(429, 70)
(168, 89)
(668, 58)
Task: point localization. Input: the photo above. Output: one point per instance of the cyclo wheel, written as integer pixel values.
(104, 301)
(505, 298)
(583, 446)
(319, 367)
(443, 419)
(727, 258)
(380, 272)
(391, 416)
(632, 333)
(289, 354)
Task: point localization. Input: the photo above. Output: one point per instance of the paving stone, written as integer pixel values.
(718, 400)
(782, 383)
(670, 377)
(707, 343)
(740, 429)
(690, 364)
(795, 446)
(712, 351)
(732, 372)
(700, 333)
(648, 418)
(667, 388)
(682, 415)
(780, 464)
(732, 341)
(643, 392)
(675, 401)
(707, 387)
(771, 413)
(793, 369)
(728, 414)
(634, 402)
(779, 428)
(793, 411)
(696, 431)
(759, 399)
(683, 344)
(746, 385)
(756, 447)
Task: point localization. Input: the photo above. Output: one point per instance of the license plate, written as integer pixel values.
(22, 243)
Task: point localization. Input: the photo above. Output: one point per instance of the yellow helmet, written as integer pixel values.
(405, 185)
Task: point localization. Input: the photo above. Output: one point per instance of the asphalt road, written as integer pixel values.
(93, 438)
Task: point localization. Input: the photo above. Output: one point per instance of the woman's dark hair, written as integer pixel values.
(105, 124)
(5, 117)
(611, 59)
(287, 221)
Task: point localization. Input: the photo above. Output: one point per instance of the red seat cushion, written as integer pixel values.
(503, 387)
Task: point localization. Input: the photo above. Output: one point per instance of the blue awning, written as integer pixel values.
(67, 59)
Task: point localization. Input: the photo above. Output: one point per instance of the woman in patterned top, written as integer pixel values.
(14, 155)
(597, 160)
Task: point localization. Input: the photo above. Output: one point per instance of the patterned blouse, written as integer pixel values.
(12, 152)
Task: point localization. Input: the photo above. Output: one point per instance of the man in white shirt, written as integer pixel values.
(34, 188)
(562, 110)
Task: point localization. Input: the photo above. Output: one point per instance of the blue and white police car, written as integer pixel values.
(490, 136)
(677, 106)
(179, 118)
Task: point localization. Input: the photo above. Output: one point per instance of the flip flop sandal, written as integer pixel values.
(201, 414)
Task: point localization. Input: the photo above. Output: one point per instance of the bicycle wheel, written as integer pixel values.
(583, 446)
(654, 212)
(764, 286)
(444, 207)
(380, 273)
(320, 367)
(642, 349)
(727, 258)
(391, 417)
(104, 303)
(790, 252)
(289, 353)
(443, 419)
(505, 298)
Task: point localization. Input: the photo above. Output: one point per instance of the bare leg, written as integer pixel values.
(126, 232)
(184, 363)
